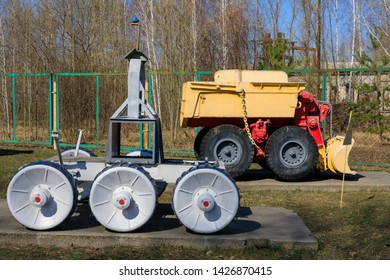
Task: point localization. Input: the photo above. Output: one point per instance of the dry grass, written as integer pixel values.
(369, 148)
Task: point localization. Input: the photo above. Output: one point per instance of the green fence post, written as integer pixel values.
(141, 136)
(150, 101)
(14, 107)
(57, 104)
(324, 77)
(198, 74)
(97, 112)
(50, 108)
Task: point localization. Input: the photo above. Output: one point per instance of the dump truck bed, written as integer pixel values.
(202, 101)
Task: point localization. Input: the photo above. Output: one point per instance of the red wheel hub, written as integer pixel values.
(122, 199)
(40, 197)
(205, 201)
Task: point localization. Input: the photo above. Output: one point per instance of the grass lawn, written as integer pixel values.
(361, 230)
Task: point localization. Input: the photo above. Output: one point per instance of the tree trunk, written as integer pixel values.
(4, 81)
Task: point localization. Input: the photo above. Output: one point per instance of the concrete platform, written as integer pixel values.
(254, 227)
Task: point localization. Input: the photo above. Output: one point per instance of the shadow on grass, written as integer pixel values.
(6, 152)
(261, 174)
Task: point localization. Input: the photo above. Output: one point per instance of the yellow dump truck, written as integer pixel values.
(259, 116)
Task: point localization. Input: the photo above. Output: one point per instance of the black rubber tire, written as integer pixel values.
(291, 153)
(198, 140)
(229, 144)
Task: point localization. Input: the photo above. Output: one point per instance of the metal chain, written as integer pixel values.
(245, 118)
(330, 117)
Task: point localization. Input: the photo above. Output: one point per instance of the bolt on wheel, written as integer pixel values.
(205, 199)
(41, 195)
(123, 197)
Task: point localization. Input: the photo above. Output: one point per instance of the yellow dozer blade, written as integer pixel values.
(337, 155)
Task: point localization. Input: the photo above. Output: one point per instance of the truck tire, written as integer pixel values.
(229, 144)
(291, 153)
(198, 140)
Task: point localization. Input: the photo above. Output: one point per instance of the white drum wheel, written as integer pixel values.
(205, 199)
(123, 197)
(81, 153)
(41, 195)
(139, 153)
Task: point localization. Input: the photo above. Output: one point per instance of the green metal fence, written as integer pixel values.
(55, 84)
(97, 105)
(13, 137)
(62, 85)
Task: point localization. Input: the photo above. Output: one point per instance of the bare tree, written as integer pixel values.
(318, 33)
(4, 93)
(224, 33)
(147, 13)
(292, 22)
(307, 10)
(178, 37)
(194, 32)
(274, 10)
(354, 19)
(376, 20)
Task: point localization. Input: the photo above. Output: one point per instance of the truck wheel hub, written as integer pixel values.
(292, 154)
(227, 151)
